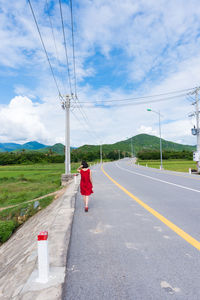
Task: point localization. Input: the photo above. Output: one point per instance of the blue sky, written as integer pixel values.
(123, 49)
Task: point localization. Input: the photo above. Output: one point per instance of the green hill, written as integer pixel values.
(140, 142)
(57, 148)
(10, 147)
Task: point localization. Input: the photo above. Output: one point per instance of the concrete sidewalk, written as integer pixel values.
(18, 256)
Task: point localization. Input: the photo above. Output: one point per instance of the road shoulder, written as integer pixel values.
(18, 256)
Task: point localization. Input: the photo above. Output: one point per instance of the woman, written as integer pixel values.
(86, 183)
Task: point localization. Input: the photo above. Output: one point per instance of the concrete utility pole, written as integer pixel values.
(132, 146)
(196, 131)
(66, 106)
(160, 143)
(101, 153)
(158, 113)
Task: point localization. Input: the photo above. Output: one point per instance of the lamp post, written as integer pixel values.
(158, 113)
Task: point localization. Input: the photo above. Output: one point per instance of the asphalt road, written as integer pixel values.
(120, 250)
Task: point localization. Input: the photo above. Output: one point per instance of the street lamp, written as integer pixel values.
(158, 113)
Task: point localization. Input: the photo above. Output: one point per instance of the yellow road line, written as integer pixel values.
(172, 226)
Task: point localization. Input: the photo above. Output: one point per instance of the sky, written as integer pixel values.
(123, 49)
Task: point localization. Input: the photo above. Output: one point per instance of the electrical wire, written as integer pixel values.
(103, 105)
(65, 46)
(142, 97)
(54, 40)
(74, 67)
(84, 116)
(89, 131)
(73, 48)
(44, 48)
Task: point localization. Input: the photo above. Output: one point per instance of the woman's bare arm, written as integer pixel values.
(91, 177)
(79, 168)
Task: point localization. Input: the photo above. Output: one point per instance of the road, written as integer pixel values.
(140, 238)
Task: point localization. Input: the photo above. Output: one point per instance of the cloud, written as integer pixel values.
(145, 129)
(126, 50)
(20, 121)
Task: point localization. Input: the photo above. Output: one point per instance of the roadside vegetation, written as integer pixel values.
(179, 165)
(24, 182)
(21, 183)
(27, 176)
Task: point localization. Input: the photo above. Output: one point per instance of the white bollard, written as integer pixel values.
(43, 257)
(75, 178)
(190, 171)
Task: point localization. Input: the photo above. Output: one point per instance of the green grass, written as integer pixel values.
(19, 183)
(178, 165)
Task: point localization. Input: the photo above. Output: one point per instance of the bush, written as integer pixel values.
(154, 155)
(6, 229)
(11, 218)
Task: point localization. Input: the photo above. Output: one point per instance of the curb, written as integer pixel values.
(18, 256)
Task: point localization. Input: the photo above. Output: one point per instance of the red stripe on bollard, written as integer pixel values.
(43, 236)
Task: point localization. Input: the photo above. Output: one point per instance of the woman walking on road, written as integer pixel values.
(86, 183)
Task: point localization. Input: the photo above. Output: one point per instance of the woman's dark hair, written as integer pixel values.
(84, 164)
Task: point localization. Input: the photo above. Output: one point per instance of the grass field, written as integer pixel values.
(178, 165)
(21, 183)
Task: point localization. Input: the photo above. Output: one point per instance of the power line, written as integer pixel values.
(65, 46)
(142, 97)
(29, 1)
(54, 40)
(82, 123)
(103, 105)
(74, 62)
(85, 118)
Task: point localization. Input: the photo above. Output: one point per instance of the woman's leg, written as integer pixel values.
(86, 200)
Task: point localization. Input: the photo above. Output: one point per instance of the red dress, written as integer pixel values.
(85, 184)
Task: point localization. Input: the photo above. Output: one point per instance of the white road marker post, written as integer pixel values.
(75, 178)
(43, 257)
(190, 171)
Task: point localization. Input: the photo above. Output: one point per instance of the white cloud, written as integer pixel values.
(20, 121)
(146, 129)
(159, 40)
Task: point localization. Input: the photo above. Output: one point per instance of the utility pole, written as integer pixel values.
(131, 140)
(66, 105)
(101, 154)
(196, 131)
(160, 143)
(132, 146)
(158, 113)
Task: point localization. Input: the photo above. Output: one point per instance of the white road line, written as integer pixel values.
(178, 185)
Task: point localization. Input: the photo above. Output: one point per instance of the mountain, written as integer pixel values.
(57, 148)
(9, 147)
(140, 142)
(33, 146)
